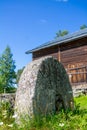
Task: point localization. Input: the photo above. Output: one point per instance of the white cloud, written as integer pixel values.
(61, 0)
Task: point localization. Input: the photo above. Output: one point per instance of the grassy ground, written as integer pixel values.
(82, 100)
(69, 120)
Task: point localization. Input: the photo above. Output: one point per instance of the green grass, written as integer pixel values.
(82, 100)
(68, 120)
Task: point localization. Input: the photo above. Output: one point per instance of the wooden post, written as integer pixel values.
(59, 55)
(86, 74)
(4, 90)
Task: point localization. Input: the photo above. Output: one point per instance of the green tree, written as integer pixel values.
(7, 70)
(83, 26)
(19, 72)
(61, 33)
(1, 85)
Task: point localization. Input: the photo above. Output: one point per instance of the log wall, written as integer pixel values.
(72, 55)
(52, 51)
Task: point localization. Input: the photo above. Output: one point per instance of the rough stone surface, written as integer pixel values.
(43, 88)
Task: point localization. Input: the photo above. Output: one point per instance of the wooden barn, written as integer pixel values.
(71, 51)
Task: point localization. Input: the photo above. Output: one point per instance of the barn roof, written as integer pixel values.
(61, 40)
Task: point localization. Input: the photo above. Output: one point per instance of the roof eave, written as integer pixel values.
(56, 42)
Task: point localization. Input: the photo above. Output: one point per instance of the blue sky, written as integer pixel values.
(25, 24)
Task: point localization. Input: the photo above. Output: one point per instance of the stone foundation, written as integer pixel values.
(79, 89)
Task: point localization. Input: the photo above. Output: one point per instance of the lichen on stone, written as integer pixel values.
(43, 88)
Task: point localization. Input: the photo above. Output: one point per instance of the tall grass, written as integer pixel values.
(64, 120)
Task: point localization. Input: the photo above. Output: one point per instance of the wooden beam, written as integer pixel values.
(59, 54)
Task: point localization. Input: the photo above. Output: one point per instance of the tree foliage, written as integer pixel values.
(83, 26)
(61, 33)
(7, 70)
(19, 72)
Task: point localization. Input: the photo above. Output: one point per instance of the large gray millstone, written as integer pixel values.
(43, 88)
